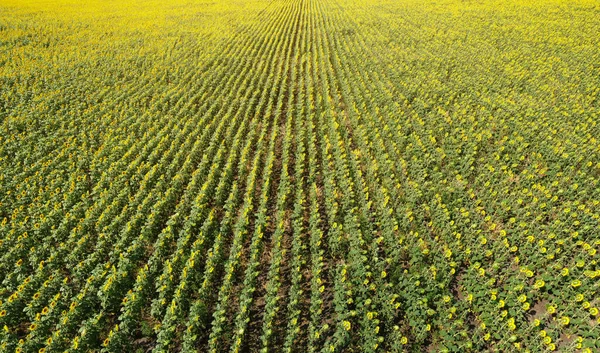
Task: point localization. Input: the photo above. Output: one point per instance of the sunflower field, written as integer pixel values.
(299, 176)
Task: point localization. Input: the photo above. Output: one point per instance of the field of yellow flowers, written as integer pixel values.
(299, 176)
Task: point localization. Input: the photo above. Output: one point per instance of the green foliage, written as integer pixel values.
(299, 176)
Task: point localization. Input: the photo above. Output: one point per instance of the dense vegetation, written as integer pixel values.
(299, 176)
